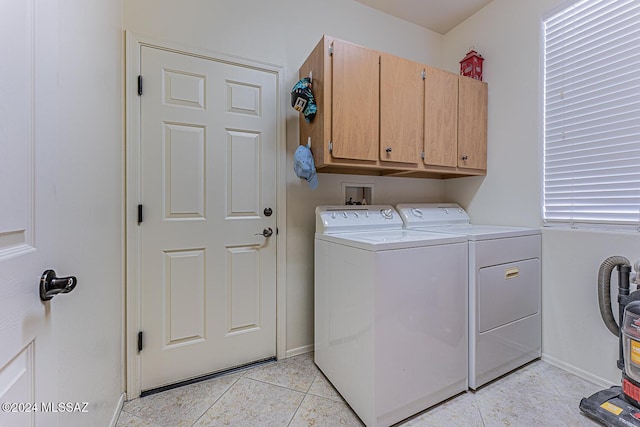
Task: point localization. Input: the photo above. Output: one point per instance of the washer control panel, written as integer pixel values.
(432, 214)
(344, 219)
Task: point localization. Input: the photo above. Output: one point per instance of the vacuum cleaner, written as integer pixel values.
(619, 405)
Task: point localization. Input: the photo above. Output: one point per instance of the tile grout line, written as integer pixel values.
(297, 409)
(131, 415)
(276, 385)
(216, 401)
(243, 374)
(475, 400)
(303, 398)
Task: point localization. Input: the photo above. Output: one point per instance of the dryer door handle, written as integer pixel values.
(511, 273)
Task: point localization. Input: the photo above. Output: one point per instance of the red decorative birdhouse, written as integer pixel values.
(471, 65)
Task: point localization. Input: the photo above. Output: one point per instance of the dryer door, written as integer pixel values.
(507, 292)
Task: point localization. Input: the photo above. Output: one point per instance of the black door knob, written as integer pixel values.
(50, 285)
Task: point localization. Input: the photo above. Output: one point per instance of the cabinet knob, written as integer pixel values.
(388, 149)
(465, 158)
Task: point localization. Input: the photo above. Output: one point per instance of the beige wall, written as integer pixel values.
(284, 32)
(508, 34)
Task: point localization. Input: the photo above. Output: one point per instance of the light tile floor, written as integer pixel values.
(293, 392)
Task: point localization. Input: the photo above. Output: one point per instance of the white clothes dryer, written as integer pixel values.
(505, 323)
(390, 312)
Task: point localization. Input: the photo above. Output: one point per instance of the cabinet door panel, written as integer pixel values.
(356, 101)
(401, 109)
(441, 118)
(472, 125)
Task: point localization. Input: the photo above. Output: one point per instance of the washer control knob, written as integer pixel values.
(344, 214)
(333, 215)
(387, 213)
(416, 212)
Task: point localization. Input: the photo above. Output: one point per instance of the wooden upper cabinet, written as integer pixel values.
(472, 124)
(377, 115)
(440, 118)
(356, 102)
(401, 109)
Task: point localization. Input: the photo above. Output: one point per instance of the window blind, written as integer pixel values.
(592, 113)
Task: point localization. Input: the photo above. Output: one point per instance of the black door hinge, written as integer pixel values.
(139, 85)
(139, 214)
(139, 341)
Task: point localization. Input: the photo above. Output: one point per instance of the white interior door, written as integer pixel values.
(28, 368)
(208, 186)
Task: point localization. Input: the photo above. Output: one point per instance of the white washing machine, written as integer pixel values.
(390, 312)
(505, 324)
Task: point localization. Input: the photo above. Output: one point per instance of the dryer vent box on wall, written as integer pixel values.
(357, 194)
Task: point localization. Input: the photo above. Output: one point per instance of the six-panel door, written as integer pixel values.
(208, 173)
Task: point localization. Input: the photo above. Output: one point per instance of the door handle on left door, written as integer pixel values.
(50, 285)
(267, 232)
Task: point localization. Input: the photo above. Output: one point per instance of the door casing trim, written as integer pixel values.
(132, 301)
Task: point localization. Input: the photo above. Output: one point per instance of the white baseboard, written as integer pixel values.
(577, 371)
(116, 414)
(300, 350)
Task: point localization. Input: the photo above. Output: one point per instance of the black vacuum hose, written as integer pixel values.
(604, 291)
